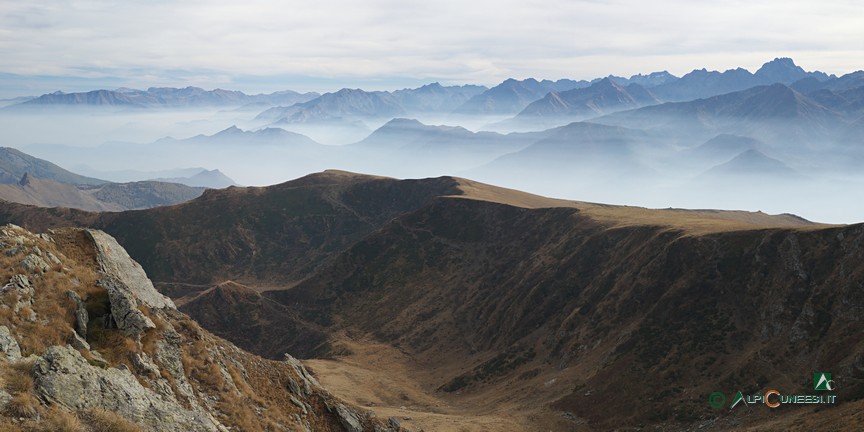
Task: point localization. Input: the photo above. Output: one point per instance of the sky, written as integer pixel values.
(269, 45)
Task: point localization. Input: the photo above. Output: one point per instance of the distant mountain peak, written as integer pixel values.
(401, 122)
(778, 65)
(231, 130)
(783, 70)
(607, 82)
(755, 162)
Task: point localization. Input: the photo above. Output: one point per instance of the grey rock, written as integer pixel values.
(116, 263)
(13, 233)
(81, 316)
(144, 365)
(79, 343)
(34, 263)
(53, 258)
(20, 284)
(5, 398)
(348, 419)
(124, 309)
(8, 345)
(308, 381)
(394, 423)
(169, 358)
(294, 387)
(300, 405)
(63, 377)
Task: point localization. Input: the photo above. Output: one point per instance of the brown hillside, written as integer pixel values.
(87, 345)
(48, 193)
(470, 307)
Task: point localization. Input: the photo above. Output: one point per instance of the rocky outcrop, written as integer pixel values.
(125, 313)
(307, 384)
(81, 316)
(64, 377)
(33, 262)
(20, 285)
(117, 264)
(117, 346)
(8, 345)
(127, 285)
(348, 419)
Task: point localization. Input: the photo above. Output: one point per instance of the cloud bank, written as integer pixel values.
(272, 44)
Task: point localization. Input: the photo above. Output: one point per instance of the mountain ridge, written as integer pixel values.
(161, 97)
(516, 289)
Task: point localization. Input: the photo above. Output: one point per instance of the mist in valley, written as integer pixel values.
(636, 157)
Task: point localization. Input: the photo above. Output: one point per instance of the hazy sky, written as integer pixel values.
(266, 45)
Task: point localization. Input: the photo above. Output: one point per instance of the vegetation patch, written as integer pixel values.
(495, 367)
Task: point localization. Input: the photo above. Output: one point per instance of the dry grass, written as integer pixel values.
(18, 377)
(54, 326)
(7, 425)
(18, 381)
(152, 336)
(114, 346)
(691, 221)
(58, 420)
(23, 405)
(100, 420)
(75, 245)
(50, 302)
(243, 386)
(236, 407)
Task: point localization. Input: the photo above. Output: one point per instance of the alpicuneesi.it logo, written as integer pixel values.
(773, 398)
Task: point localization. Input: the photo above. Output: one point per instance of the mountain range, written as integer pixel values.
(602, 97)
(444, 290)
(702, 83)
(652, 147)
(511, 96)
(536, 104)
(775, 113)
(163, 97)
(502, 310)
(45, 184)
(351, 104)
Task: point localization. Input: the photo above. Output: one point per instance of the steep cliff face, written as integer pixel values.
(87, 343)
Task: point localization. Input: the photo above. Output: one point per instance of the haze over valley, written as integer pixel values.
(431, 216)
(778, 140)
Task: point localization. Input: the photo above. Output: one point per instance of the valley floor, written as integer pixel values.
(388, 382)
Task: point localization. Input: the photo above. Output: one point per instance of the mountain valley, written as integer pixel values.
(494, 309)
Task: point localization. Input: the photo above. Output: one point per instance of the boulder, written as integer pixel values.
(117, 264)
(124, 309)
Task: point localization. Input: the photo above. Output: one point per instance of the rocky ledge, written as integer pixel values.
(88, 344)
